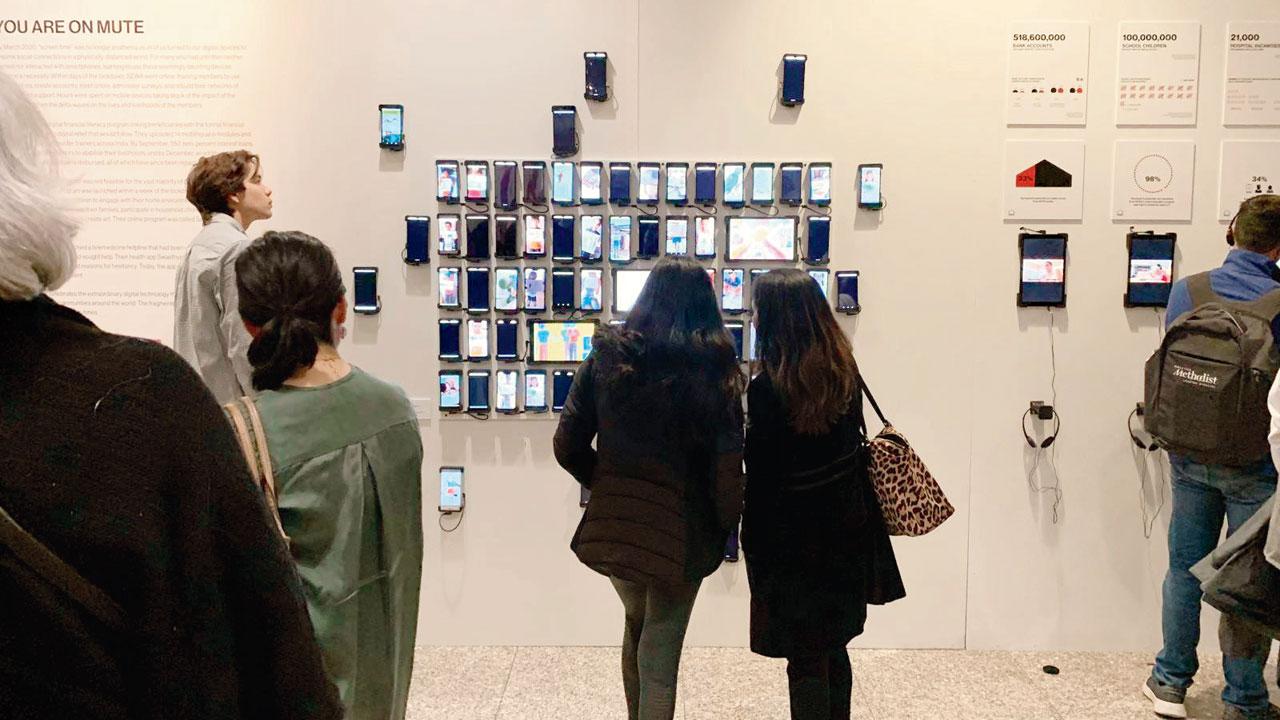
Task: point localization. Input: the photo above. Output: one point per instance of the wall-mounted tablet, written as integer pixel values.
(1043, 278)
(761, 238)
(1150, 269)
(560, 341)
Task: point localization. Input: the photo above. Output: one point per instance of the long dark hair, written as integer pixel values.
(802, 350)
(674, 346)
(289, 284)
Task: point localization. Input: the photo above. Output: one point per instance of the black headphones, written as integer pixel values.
(1231, 227)
(1057, 427)
(1133, 435)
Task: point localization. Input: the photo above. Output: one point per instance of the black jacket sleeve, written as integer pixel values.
(729, 479)
(579, 423)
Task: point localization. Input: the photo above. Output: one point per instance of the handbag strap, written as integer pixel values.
(58, 572)
(253, 443)
(866, 390)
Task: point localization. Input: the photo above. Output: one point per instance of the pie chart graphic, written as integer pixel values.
(1153, 174)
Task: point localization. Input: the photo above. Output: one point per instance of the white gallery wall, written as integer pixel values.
(918, 85)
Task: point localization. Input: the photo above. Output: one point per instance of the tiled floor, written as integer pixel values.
(528, 683)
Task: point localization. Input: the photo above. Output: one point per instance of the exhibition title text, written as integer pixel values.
(71, 27)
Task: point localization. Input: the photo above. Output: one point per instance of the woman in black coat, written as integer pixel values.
(661, 397)
(816, 546)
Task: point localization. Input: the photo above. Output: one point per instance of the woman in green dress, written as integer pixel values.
(347, 460)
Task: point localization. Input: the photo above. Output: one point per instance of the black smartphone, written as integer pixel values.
(477, 187)
(820, 184)
(452, 497)
(391, 122)
(508, 339)
(535, 391)
(564, 130)
(563, 175)
(450, 390)
(367, 300)
(677, 235)
(561, 289)
(734, 191)
(1043, 280)
(732, 290)
(823, 278)
(620, 238)
(847, 292)
(591, 183)
(505, 183)
(817, 247)
(591, 248)
(417, 239)
(650, 179)
(562, 230)
(620, 183)
(704, 183)
(704, 237)
(477, 339)
(736, 331)
(506, 395)
(762, 183)
(478, 391)
(869, 195)
(792, 177)
(535, 182)
(448, 236)
(505, 246)
(561, 381)
(451, 339)
(647, 245)
(535, 236)
(591, 290)
(506, 289)
(731, 547)
(597, 76)
(448, 184)
(477, 237)
(478, 289)
(677, 183)
(1150, 269)
(449, 287)
(535, 290)
(792, 79)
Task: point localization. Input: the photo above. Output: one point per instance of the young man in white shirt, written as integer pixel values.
(228, 191)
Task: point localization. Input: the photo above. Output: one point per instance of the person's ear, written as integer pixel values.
(253, 330)
(340, 311)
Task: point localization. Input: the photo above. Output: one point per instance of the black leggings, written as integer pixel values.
(820, 686)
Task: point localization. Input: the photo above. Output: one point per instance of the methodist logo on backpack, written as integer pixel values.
(1207, 385)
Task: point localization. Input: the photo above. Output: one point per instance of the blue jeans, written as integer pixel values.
(1202, 495)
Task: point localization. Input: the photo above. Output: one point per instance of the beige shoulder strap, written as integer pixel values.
(232, 409)
(257, 454)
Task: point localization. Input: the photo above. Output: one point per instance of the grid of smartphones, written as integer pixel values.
(505, 392)
(589, 238)
(520, 289)
(546, 341)
(507, 184)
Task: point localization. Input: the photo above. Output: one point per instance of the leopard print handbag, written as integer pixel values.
(911, 500)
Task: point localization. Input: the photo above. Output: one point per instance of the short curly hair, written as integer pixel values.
(216, 177)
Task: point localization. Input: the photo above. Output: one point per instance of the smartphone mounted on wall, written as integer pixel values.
(367, 301)
(534, 176)
(417, 239)
(564, 130)
(535, 391)
(704, 183)
(391, 123)
(817, 247)
(448, 182)
(452, 495)
(847, 292)
(792, 79)
(597, 67)
(870, 196)
(450, 391)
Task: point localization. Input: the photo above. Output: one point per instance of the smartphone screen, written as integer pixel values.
(735, 184)
(1150, 270)
(648, 245)
(448, 189)
(477, 289)
(508, 342)
(704, 237)
(535, 289)
(506, 289)
(366, 282)
(561, 381)
(818, 246)
(564, 130)
(562, 175)
(477, 237)
(597, 69)
(792, 178)
(417, 239)
(620, 183)
(736, 331)
(535, 390)
(505, 184)
(561, 289)
(448, 240)
(704, 183)
(450, 390)
(450, 339)
(619, 238)
(477, 339)
(478, 391)
(793, 79)
(869, 186)
(391, 118)
(477, 181)
(677, 183)
(820, 183)
(535, 182)
(731, 286)
(535, 236)
(448, 287)
(562, 238)
(508, 389)
(731, 546)
(650, 176)
(847, 291)
(677, 235)
(762, 183)
(451, 487)
(590, 181)
(591, 291)
(592, 247)
(1044, 270)
(504, 237)
(822, 277)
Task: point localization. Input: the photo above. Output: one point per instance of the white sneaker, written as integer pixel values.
(1166, 701)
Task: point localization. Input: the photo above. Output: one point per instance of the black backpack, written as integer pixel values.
(1207, 384)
